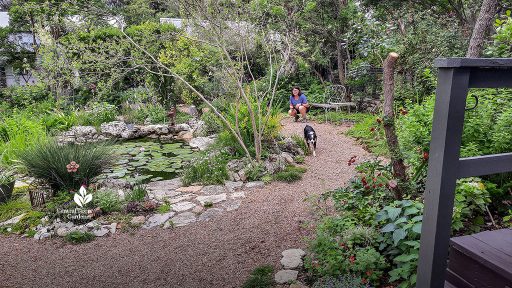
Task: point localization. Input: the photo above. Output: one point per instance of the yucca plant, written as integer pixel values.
(67, 166)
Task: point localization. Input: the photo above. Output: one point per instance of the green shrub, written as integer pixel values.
(23, 96)
(371, 134)
(56, 120)
(13, 208)
(18, 133)
(107, 200)
(78, 237)
(164, 208)
(290, 174)
(96, 114)
(471, 198)
(401, 228)
(343, 281)
(261, 277)
(53, 163)
(299, 140)
(138, 194)
(28, 221)
(209, 170)
(152, 113)
(212, 123)
(255, 171)
(299, 159)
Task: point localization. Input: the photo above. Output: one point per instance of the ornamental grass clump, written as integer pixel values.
(67, 167)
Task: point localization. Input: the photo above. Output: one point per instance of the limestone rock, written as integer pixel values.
(114, 129)
(210, 213)
(182, 219)
(292, 258)
(255, 184)
(182, 127)
(232, 205)
(213, 190)
(183, 206)
(13, 220)
(288, 157)
(238, 195)
(189, 189)
(201, 142)
(157, 220)
(285, 276)
(211, 198)
(233, 186)
(290, 146)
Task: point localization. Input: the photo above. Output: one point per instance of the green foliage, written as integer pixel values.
(299, 159)
(212, 123)
(261, 277)
(401, 228)
(107, 200)
(471, 198)
(148, 113)
(14, 207)
(208, 204)
(51, 162)
(23, 96)
(164, 208)
(28, 221)
(290, 174)
(138, 194)
(370, 133)
(79, 237)
(500, 48)
(343, 281)
(6, 176)
(254, 171)
(209, 170)
(299, 140)
(341, 247)
(96, 114)
(18, 133)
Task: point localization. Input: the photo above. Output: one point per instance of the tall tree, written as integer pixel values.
(480, 32)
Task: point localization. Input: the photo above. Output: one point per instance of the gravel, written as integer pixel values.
(217, 253)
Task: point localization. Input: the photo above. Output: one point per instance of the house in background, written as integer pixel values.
(23, 41)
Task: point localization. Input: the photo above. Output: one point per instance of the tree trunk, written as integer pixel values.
(482, 25)
(397, 161)
(341, 62)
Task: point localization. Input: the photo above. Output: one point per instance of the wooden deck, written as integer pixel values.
(482, 260)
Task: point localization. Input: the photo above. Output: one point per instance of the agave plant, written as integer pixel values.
(67, 166)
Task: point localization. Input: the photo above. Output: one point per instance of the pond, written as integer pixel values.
(145, 161)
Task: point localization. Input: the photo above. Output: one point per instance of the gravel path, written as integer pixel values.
(218, 253)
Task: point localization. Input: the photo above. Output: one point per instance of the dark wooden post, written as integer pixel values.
(455, 77)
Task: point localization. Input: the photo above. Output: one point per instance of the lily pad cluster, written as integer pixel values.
(145, 161)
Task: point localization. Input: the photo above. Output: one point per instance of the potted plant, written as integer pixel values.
(6, 184)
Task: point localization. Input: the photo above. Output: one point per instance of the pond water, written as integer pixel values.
(144, 161)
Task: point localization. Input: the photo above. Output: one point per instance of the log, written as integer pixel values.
(397, 161)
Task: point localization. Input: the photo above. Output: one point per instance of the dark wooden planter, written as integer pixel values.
(6, 192)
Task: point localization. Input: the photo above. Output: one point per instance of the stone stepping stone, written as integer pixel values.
(210, 213)
(162, 194)
(285, 276)
(183, 206)
(181, 198)
(189, 189)
(181, 220)
(238, 195)
(157, 220)
(232, 205)
(232, 186)
(213, 190)
(255, 184)
(212, 199)
(292, 258)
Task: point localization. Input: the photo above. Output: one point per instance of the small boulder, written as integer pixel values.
(201, 143)
(255, 184)
(138, 220)
(114, 129)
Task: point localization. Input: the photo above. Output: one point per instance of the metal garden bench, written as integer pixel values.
(335, 97)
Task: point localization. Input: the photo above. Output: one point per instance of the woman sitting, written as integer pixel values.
(298, 104)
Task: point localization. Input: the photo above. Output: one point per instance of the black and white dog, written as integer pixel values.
(310, 137)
